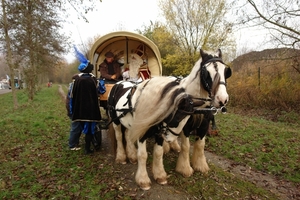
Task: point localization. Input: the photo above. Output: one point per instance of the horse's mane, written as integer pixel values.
(215, 84)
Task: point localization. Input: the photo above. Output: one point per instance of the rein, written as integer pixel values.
(202, 99)
(214, 110)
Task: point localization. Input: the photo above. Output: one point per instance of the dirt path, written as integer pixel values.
(61, 92)
(284, 189)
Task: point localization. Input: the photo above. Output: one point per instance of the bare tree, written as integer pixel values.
(5, 26)
(279, 17)
(198, 24)
(31, 36)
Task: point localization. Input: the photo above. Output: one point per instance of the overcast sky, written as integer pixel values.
(111, 15)
(129, 15)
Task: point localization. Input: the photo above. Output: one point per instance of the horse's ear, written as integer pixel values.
(202, 53)
(220, 53)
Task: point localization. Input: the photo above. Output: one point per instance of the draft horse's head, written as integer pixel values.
(213, 75)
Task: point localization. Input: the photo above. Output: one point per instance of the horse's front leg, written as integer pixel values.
(131, 150)
(141, 176)
(158, 170)
(120, 154)
(198, 158)
(183, 162)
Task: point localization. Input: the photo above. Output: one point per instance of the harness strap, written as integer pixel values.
(168, 129)
(214, 60)
(223, 83)
(130, 94)
(203, 99)
(124, 110)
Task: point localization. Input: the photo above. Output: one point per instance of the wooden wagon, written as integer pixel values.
(122, 44)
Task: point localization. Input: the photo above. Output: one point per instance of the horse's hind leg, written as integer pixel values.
(175, 146)
(166, 147)
(120, 154)
(131, 150)
(183, 162)
(198, 158)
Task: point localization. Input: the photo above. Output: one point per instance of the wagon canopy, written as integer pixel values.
(122, 44)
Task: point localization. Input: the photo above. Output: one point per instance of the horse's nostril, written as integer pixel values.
(225, 102)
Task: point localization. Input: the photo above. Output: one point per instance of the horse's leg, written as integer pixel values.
(213, 123)
(166, 147)
(214, 129)
(183, 162)
(120, 154)
(175, 146)
(158, 170)
(141, 176)
(131, 150)
(198, 158)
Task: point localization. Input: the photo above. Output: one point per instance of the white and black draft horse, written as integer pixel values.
(166, 125)
(121, 111)
(158, 100)
(198, 123)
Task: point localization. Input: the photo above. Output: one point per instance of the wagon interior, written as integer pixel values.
(123, 44)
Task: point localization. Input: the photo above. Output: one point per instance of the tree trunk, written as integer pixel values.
(9, 55)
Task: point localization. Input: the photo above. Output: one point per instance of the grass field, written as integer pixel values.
(35, 162)
(268, 146)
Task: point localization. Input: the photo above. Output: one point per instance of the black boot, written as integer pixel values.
(88, 140)
(97, 138)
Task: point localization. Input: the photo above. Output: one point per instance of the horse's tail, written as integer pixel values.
(146, 116)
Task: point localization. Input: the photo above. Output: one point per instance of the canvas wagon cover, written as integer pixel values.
(122, 44)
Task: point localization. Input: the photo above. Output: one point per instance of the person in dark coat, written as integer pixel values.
(75, 131)
(85, 104)
(110, 69)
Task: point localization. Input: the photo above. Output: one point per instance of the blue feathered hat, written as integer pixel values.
(82, 59)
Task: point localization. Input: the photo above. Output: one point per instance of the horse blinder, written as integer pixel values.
(227, 72)
(206, 80)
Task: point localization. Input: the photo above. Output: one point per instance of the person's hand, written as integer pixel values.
(113, 76)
